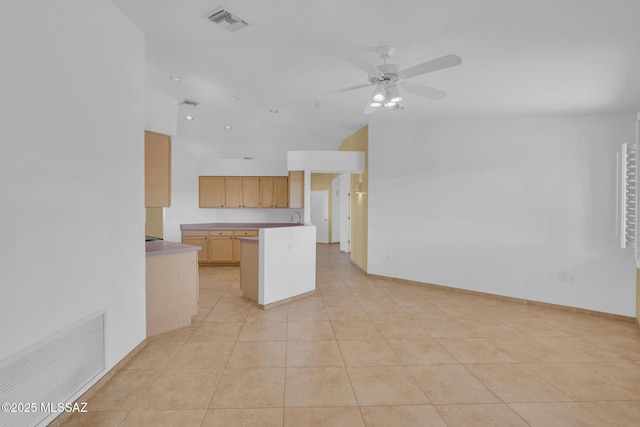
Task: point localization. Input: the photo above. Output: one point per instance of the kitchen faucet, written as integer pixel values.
(299, 219)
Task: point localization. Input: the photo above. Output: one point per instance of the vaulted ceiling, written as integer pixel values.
(518, 58)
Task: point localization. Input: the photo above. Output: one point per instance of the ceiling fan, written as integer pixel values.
(389, 79)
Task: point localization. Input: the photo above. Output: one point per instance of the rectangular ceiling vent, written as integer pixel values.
(226, 20)
(190, 102)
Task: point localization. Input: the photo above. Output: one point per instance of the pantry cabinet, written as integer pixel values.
(157, 170)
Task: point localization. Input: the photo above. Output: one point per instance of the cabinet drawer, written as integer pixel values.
(245, 233)
(195, 233)
(221, 233)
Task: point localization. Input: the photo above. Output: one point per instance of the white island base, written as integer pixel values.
(279, 266)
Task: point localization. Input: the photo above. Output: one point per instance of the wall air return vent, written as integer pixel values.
(226, 20)
(189, 102)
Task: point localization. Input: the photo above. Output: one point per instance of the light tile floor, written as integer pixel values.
(370, 352)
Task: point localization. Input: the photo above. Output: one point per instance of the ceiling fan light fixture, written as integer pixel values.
(375, 104)
(378, 94)
(393, 94)
(390, 104)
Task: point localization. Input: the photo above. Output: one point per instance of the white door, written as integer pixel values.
(345, 212)
(335, 210)
(320, 214)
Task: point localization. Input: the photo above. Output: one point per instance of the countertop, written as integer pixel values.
(162, 247)
(236, 225)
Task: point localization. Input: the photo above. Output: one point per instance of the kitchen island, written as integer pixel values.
(281, 257)
(171, 285)
(279, 266)
(218, 241)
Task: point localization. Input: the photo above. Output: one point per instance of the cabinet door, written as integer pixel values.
(196, 238)
(157, 170)
(221, 248)
(233, 189)
(250, 192)
(242, 233)
(281, 192)
(296, 189)
(212, 191)
(266, 192)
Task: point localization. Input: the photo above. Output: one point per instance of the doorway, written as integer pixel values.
(320, 214)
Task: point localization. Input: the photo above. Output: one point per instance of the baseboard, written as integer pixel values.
(281, 302)
(64, 416)
(506, 298)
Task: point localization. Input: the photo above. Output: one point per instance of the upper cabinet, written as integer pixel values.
(157, 170)
(296, 189)
(244, 192)
(250, 192)
(233, 192)
(281, 192)
(212, 191)
(266, 192)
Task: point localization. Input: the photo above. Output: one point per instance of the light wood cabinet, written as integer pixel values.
(266, 192)
(236, 244)
(250, 192)
(198, 238)
(296, 189)
(281, 192)
(221, 246)
(157, 170)
(212, 192)
(233, 192)
(217, 246)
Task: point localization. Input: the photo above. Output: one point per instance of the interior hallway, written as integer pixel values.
(371, 352)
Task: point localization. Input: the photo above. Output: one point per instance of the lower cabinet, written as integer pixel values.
(221, 246)
(198, 238)
(217, 247)
(236, 242)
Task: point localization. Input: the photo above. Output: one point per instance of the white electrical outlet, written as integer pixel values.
(562, 277)
(572, 278)
(390, 257)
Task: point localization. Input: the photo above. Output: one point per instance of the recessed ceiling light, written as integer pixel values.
(227, 127)
(188, 118)
(176, 79)
(234, 98)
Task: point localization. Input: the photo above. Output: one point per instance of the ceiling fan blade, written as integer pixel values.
(369, 109)
(371, 70)
(347, 89)
(430, 66)
(426, 91)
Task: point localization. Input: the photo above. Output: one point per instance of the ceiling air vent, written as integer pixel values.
(190, 102)
(226, 20)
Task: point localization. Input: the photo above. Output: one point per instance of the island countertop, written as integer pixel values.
(235, 225)
(162, 247)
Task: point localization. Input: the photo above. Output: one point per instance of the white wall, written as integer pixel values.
(326, 161)
(161, 113)
(502, 206)
(71, 172)
(188, 161)
(287, 262)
